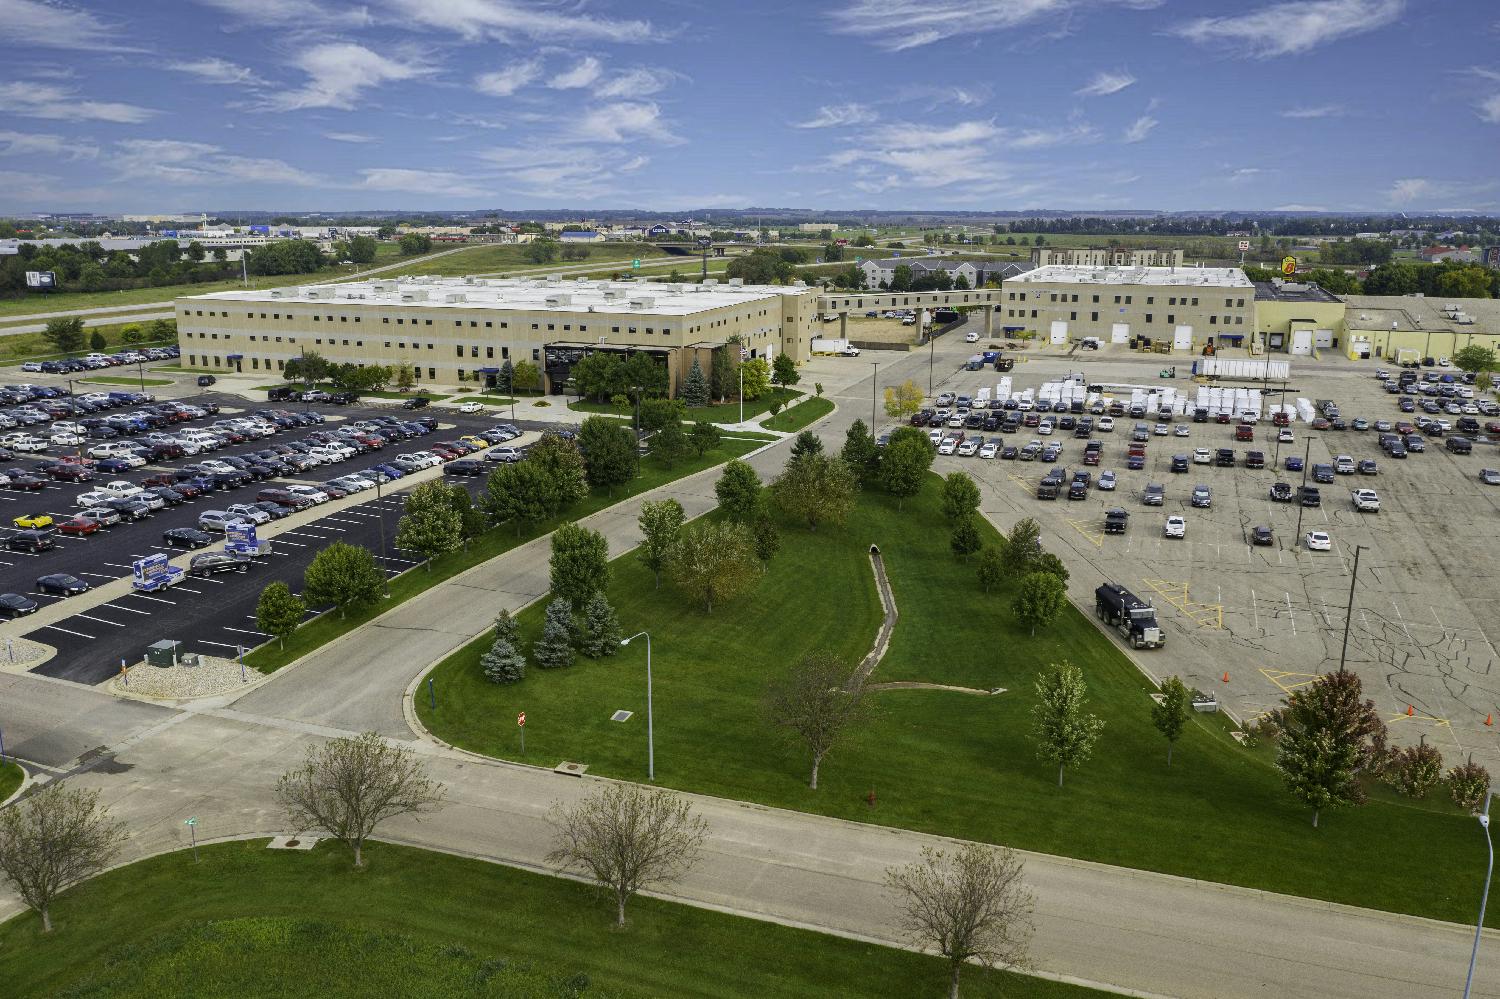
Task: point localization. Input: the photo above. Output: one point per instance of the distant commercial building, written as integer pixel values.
(1381, 326)
(580, 236)
(1046, 256)
(1186, 307)
(460, 331)
(880, 273)
(1297, 317)
(197, 219)
(817, 226)
(1453, 254)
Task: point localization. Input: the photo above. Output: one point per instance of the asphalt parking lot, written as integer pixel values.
(213, 615)
(1425, 619)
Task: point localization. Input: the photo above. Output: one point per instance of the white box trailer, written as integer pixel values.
(1244, 369)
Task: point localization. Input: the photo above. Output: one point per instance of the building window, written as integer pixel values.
(1239, 320)
(1117, 299)
(458, 322)
(505, 352)
(1239, 303)
(1072, 316)
(431, 373)
(1195, 301)
(1148, 317)
(460, 374)
(254, 363)
(429, 322)
(1094, 317)
(489, 351)
(474, 351)
(1150, 299)
(550, 327)
(1033, 313)
(385, 319)
(1171, 318)
(1127, 299)
(945, 298)
(536, 354)
(1213, 320)
(614, 329)
(488, 324)
(460, 350)
(473, 324)
(387, 343)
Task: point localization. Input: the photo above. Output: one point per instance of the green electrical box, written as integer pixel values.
(163, 653)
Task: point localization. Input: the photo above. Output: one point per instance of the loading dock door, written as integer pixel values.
(1323, 338)
(1119, 333)
(1182, 338)
(1302, 341)
(1059, 331)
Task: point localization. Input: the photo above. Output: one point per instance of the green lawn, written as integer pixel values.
(10, 778)
(728, 412)
(486, 258)
(324, 629)
(791, 420)
(247, 921)
(124, 380)
(485, 400)
(948, 762)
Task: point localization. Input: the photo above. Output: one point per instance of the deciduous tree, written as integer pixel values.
(65, 334)
(819, 701)
(815, 489)
(1415, 770)
(526, 377)
(670, 445)
(1065, 732)
(1329, 735)
(660, 520)
(960, 497)
(627, 838)
(1040, 597)
(968, 905)
(1170, 713)
(560, 461)
(756, 377)
(904, 465)
(579, 564)
(279, 611)
(964, 538)
(714, 561)
(347, 787)
(518, 493)
(344, 576)
(860, 453)
(610, 455)
(804, 444)
(1023, 548)
(704, 437)
(901, 401)
(1469, 784)
(429, 525)
(991, 569)
(53, 839)
(739, 491)
(784, 370)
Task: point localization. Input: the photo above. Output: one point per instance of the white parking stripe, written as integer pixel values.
(115, 565)
(101, 620)
(282, 541)
(242, 631)
(155, 600)
(204, 641)
(65, 631)
(132, 610)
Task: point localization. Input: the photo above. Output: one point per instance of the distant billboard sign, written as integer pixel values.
(169, 233)
(1244, 245)
(260, 230)
(41, 279)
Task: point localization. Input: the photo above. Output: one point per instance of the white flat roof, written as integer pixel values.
(518, 294)
(1210, 277)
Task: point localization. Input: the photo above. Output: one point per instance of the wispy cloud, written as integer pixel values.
(359, 138)
(621, 121)
(509, 20)
(1140, 128)
(505, 82)
(39, 144)
(643, 81)
(905, 24)
(835, 115)
(215, 70)
(199, 163)
(423, 182)
(1105, 83)
(33, 24)
(301, 13)
(1488, 107)
(1316, 111)
(561, 172)
(338, 72)
(578, 76)
(1291, 28)
(30, 99)
(1433, 192)
(1042, 138)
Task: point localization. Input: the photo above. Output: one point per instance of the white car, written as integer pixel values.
(24, 442)
(1317, 541)
(968, 448)
(215, 465)
(93, 498)
(1284, 436)
(64, 440)
(1176, 527)
(989, 449)
(470, 407)
(1365, 500)
(1106, 424)
(1202, 456)
(934, 436)
(309, 492)
(1161, 430)
(1181, 430)
(949, 445)
(120, 489)
(1443, 362)
(1044, 428)
(971, 337)
(251, 513)
(1107, 480)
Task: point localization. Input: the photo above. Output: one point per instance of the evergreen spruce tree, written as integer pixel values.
(503, 663)
(506, 628)
(601, 628)
(555, 648)
(695, 387)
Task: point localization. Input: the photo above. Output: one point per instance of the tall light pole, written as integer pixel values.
(874, 387)
(931, 356)
(1484, 823)
(380, 516)
(650, 733)
(1349, 613)
(1300, 505)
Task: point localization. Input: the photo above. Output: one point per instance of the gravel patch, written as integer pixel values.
(212, 676)
(16, 654)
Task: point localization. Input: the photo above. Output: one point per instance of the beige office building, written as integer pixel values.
(1186, 307)
(1045, 256)
(461, 331)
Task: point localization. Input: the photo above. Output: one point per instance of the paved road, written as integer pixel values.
(1110, 925)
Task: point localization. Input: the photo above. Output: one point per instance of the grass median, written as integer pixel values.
(497, 541)
(10, 778)
(955, 762)
(124, 380)
(728, 412)
(251, 921)
(789, 421)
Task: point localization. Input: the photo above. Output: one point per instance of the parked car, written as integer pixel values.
(14, 605)
(1176, 527)
(213, 563)
(29, 541)
(61, 584)
(1317, 541)
(1202, 497)
(1262, 536)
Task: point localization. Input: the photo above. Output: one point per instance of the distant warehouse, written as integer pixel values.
(457, 331)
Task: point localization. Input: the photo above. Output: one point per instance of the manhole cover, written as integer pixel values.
(621, 715)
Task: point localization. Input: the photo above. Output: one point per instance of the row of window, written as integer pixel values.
(1094, 317)
(488, 324)
(214, 360)
(1229, 303)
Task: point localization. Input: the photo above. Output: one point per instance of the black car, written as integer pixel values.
(1179, 463)
(1262, 536)
(213, 563)
(416, 402)
(275, 510)
(1281, 492)
(1224, 457)
(16, 605)
(204, 381)
(1311, 496)
(464, 466)
(186, 537)
(61, 584)
(29, 541)
(129, 508)
(167, 495)
(1322, 473)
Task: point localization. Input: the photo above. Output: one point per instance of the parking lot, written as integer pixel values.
(1272, 616)
(215, 614)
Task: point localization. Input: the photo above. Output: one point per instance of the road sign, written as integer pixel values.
(859, 260)
(1288, 265)
(1244, 245)
(191, 822)
(521, 720)
(636, 264)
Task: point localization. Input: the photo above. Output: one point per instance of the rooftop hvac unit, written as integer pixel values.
(644, 302)
(710, 282)
(469, 279)
(455, 296)
(736, 282)
(415, 295)
(558, 301)
(554, 279)
(383, 286)
(278, 293)
(613, 294)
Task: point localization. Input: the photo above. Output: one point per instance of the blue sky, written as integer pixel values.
(666, 104)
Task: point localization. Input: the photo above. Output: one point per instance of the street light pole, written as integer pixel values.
(1349, 614)
(874, 387)
(931, 356)
(1484, 822)
(650, 733)
(380, 516)
(1300, 507)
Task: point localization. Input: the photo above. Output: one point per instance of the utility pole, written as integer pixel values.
(874, 387)
(931, 357)
(1307, 457)
(1349, 614)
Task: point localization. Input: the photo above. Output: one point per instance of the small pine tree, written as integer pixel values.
(601, 628)
(767, 537)
(695, 387)
(503, 663)
(555, 648)
(507, 629)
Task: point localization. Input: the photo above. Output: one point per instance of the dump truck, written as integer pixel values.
(1132, 617)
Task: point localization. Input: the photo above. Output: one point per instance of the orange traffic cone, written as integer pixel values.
(1410, 711)
(1489, 719)
(1226, 676)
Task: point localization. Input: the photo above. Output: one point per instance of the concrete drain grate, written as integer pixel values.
(621, 715)
(571, 769)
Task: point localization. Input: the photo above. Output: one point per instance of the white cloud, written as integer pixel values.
(46, 100)
(337, 73)
(290, 12)
(622, 121)
(561, 172)
(507, 20)
(957, 134)
(1105, 83)
(1140, 128)
(199, 163)
(1041, 138)
(643, 81)
(1433, 193)
(1317, 111)
(354, 137)
(586, 72)
(505, 82)
(1291, 28)
(425, 182)
(1404, 191)
(37, 144)
(1244, 174)
(1299, 208)
(834, 115)
(215, 70)
(32, 24)
(1489, 109)
(904, 24)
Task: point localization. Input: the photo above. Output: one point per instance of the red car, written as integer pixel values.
(160, 479)
(1493, 426)
(78, 525)
(68, 472)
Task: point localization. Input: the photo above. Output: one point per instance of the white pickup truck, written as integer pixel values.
(1365, 500)
(120, 489)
